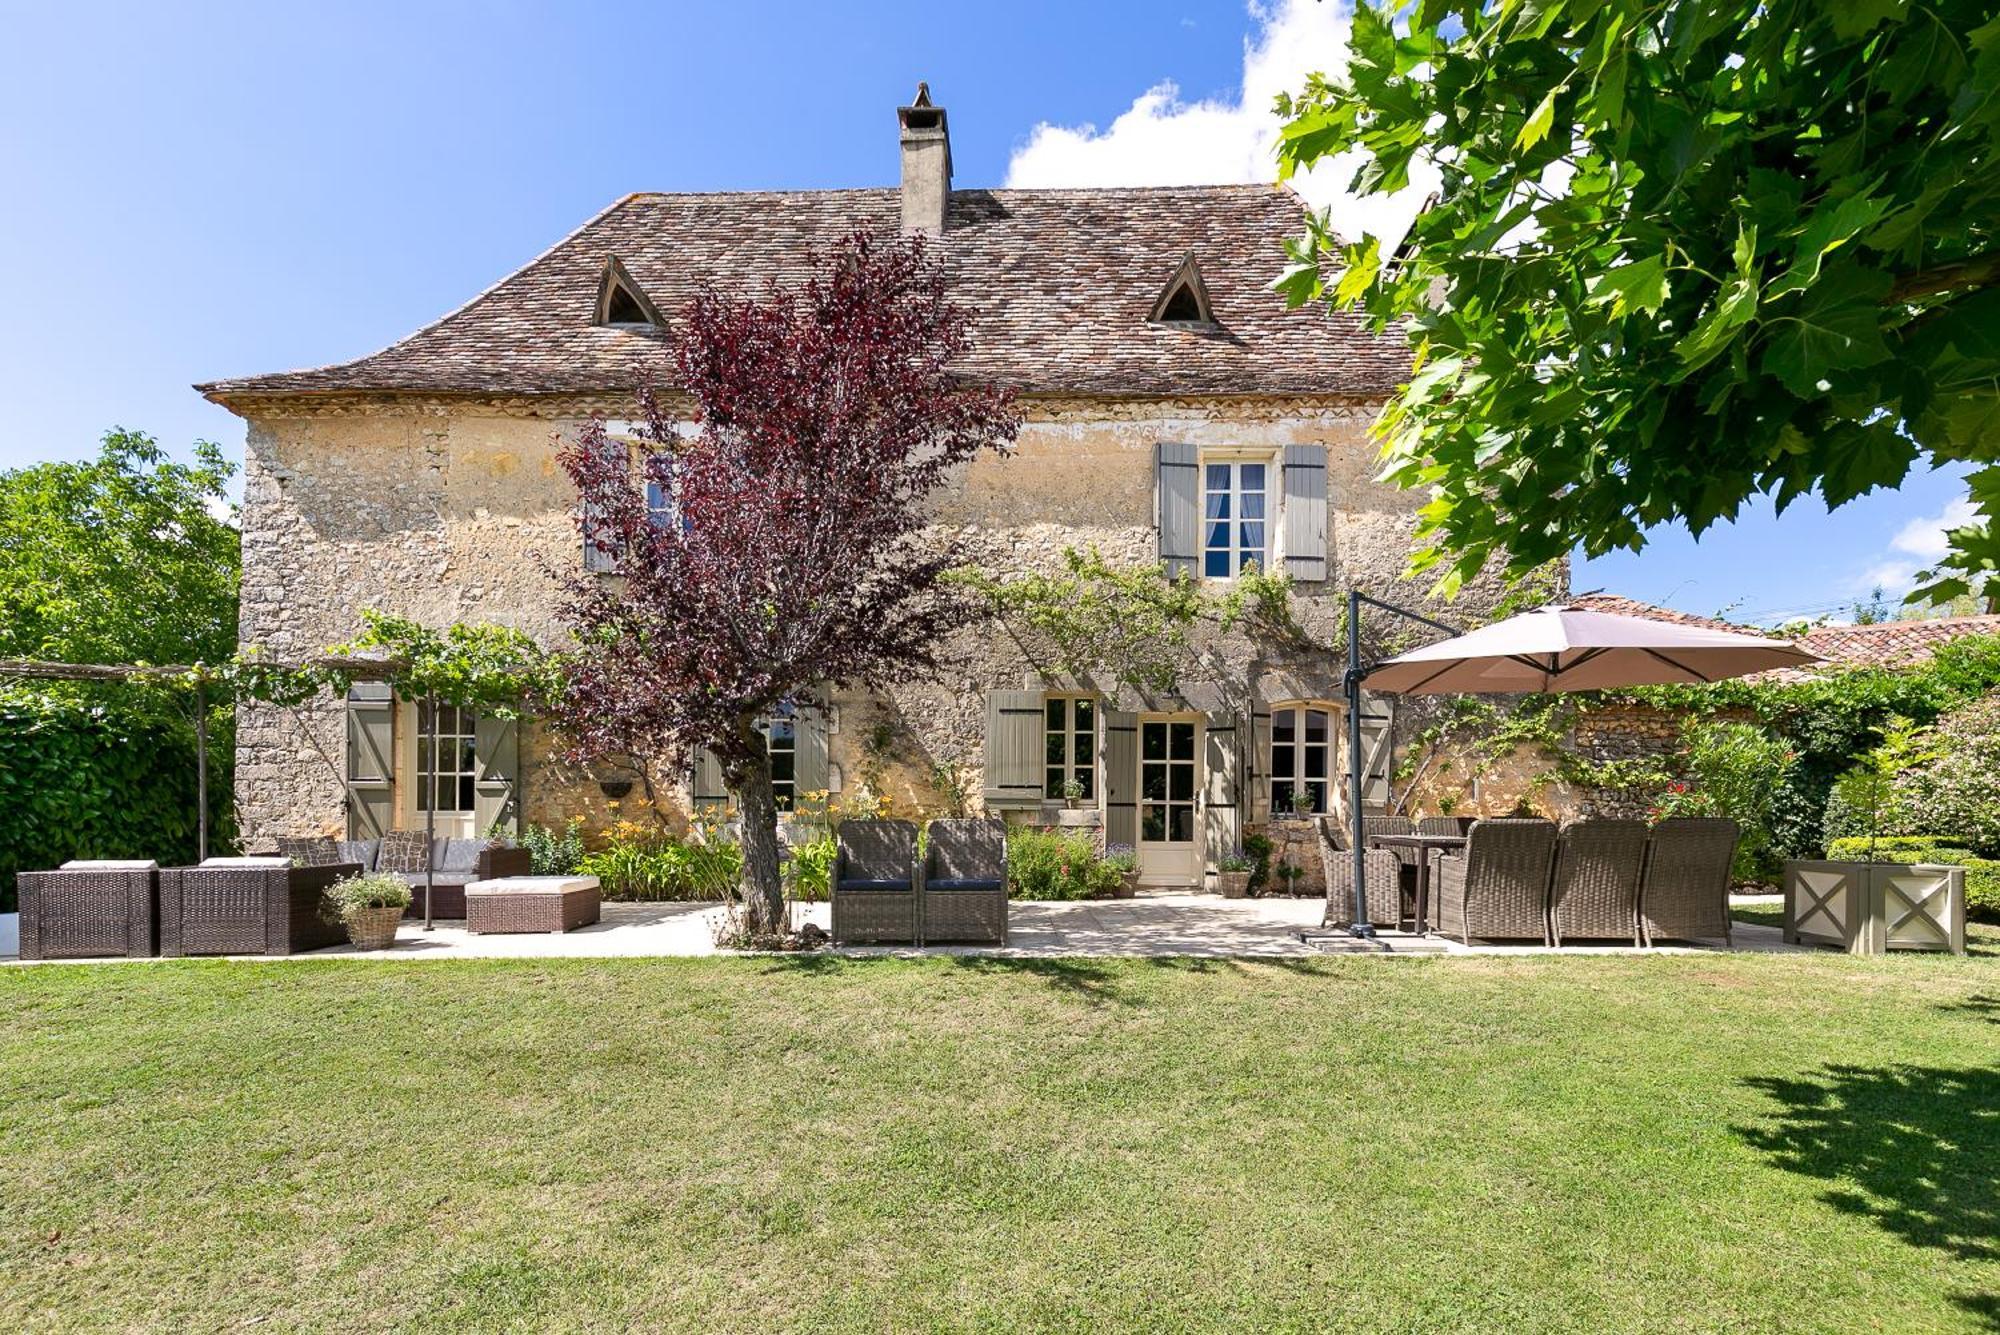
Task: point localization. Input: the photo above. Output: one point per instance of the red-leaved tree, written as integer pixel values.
(785, 548)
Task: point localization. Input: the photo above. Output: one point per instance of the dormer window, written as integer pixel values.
(1184, 300)
(622, 303)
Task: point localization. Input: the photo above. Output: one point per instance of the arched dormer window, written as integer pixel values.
(622, 303)
(1184, 300)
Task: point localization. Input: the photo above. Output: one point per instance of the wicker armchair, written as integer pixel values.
(964, 885)
(1499, 887)
(875, 883)
(1383, 869)
(1684, 894)
(1596, 888)
(1456, 825)
(248, 906)
(87, 909)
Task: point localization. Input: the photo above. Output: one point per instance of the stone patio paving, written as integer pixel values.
(1153, 925)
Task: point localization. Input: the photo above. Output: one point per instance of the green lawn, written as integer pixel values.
(1589, 1144)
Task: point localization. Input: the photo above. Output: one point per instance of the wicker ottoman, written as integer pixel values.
(531, 904)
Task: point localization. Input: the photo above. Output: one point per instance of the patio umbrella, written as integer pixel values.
(1572, 649)
(1556, 648)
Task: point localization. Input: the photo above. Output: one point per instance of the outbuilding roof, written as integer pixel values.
(1060, 285)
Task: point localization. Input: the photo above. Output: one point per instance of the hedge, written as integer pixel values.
(1982, 875)
(100, 775)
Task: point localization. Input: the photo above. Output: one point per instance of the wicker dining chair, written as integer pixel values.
(1595, 893)
(1498, 888)
(1384, 870)
(1454, 825)
(875, 883)
(88, 909)
(964, 885)
(1684, 893)
(248, 906)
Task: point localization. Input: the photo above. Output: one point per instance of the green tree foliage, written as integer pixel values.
(1732, 770)
(1685, 252)
(130, 557)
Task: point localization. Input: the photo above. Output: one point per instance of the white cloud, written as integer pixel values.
(1162, 140)
(1916, 545)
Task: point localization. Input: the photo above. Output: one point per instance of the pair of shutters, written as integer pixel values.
(1378, 756)
(371, 767)
(1301, 544)
(812, 768)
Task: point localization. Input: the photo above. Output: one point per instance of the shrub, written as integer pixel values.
(89, 773)
(369, 890)
(1982, 875)
(1955, 785)
(555, 854)
(1045, 865)
(1733, 770)
(811, 868)
(645, 865)
(1257, 848)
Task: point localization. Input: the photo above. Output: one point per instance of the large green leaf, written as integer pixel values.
(1836, 326)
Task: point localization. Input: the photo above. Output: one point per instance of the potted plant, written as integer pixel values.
(1072, 791)
(1232, 874)
(1300, 805)
(370, 906)
(1124, 860)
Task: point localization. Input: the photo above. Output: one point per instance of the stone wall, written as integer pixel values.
(446, 511)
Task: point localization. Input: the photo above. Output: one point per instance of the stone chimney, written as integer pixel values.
(926, 164)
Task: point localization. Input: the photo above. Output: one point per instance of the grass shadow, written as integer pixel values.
(1984, 1005)
(1091, 980)
(1912, 1149)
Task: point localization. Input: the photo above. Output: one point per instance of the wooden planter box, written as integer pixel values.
(1870, 908)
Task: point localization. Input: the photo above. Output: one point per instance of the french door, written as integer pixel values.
(1170, 786)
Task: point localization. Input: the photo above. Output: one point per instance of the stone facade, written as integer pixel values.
(456, 510)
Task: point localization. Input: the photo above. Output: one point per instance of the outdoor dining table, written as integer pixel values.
(1425, 844)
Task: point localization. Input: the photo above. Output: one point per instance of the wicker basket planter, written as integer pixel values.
(1233, 884)
(374, 929)
(1870, 908)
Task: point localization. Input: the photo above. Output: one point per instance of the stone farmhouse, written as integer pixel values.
(1176, 413)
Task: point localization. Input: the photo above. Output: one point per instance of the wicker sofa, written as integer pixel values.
(248, 906)
(90, 909)
(459, 862)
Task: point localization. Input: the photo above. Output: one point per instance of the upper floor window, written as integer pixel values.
(1234, 528)
(1301, 757)
(1070, 746)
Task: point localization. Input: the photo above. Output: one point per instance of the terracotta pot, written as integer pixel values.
(374, 929)
(1233, 884)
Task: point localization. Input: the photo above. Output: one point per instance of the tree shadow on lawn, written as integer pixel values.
(1984, 1005)
(1094, 979)
(1915, 1149)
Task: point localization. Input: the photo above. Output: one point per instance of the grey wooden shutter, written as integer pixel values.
(705, 786)
(1120, 750)
(1378, 750)
(1260, 766)
(1177, 482)
(1305, 511)
(371, 751)
(1014, 747)
(496, 789)
(810, 770)
(1222, 821)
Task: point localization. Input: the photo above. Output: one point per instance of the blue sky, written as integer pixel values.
(205, 190)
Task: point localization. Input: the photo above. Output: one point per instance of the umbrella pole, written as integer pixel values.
(1352, 688)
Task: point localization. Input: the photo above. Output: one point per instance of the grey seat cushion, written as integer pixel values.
(415, 879)
(361, 851)
(459, 854)
(961, 883)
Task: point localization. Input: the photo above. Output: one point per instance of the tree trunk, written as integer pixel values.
(763, 895)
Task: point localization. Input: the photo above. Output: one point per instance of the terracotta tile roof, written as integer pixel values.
(1059, 282)
(1632, 607)
(1894, 643)
(1890, 644)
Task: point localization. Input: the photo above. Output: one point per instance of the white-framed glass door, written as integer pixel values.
(1170, 786)
(442, 769)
